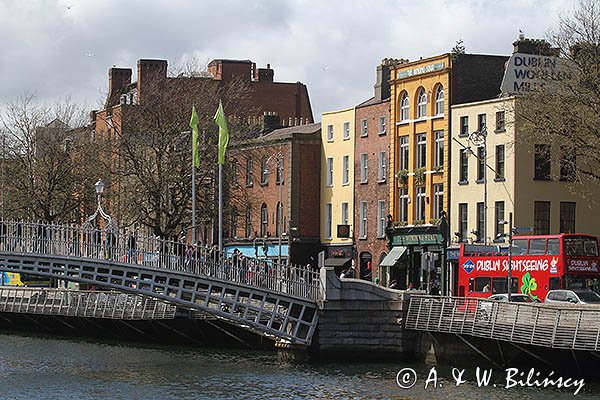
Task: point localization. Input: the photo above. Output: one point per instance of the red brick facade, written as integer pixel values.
(371, 247)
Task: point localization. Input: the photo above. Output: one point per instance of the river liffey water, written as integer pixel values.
(33, 367)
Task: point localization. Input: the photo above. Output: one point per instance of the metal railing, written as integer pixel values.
(79, 303)
(563, 327)
(22, 237)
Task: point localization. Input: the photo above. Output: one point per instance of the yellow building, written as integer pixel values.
(337, 185)
(419, 114)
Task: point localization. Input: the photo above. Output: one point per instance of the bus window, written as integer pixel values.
(482, 282)
(537, 247)
(553, 247)
(590, 247)
(519, 247)
(499, 285)
(554, 283)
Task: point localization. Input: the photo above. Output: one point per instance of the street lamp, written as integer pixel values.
(99, 190)
(479, 139)
(510, 239)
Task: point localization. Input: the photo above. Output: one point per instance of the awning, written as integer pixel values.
(393, 256)
(336, 262)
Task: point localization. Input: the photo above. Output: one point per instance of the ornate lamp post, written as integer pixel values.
(479, 139)
(109, 222)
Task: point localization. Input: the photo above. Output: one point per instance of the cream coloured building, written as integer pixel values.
(337, 183)
(522, 177)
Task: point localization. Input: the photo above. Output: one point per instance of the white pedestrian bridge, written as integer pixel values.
(275, 300)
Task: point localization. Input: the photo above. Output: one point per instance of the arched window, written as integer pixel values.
(404, 107)
(264, 220)
(421, 103)
(439, 100)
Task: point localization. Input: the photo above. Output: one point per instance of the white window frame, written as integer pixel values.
(438, 199)
(264, 171)
(382, 170)
(328, 221)
(330, 133)
(364, 168)
(329, 172)
(364, 128)
(381, 218)
(346, 134)
(344, 213)
(403, 200)
(382, 125)
(362, 224)
(421, 104)
(438, 149)
(439, 100)
(346, 170)
(420, 208)
(404, 150)
(404, 107)
(421, 161)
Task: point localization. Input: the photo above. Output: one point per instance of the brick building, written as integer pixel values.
(271, 202)
(371, 182)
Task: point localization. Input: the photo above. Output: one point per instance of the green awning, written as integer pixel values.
(393, 256)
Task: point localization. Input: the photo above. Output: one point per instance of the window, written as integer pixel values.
(567, 217)
(344, 220)
(381, 218)
(249, 173)
(464, 126)
(329, 178)
(553, 247)
(519, 247)
(421, 150)
(234, 173)
(541, 217)
(362, 227)
(364, 168)
(264, 171)
(403, 161)
(364, 129)
(279, 173)
(328, 217)
(248, 222)
(568, 163)
(439, 100)
(382, 170)
(264, 220)
(346, 135)
(499, 211)
(542, 162)
(480, 164)
(438, 150)
(481, 122)
(404, 107)
(403, 205)
(537, 247)
(438, 200)
(279, 220)
(480, 222)
(382, 125)
(464, 166)
(462, 221)
(330, 133)
(421, 104)
(234, 217)
(345, 170)
(420, 216)
(500, 122)
(500, 162)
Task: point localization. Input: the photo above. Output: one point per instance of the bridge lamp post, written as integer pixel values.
(510, 239)
(479, 139)
(99, 190)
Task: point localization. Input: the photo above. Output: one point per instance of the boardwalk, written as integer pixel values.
(564, 327)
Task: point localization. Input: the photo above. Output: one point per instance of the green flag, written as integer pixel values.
(221, 121)
(194, 125)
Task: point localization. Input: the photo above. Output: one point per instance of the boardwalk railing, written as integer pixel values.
(127, 247)
(563, 327)
(111, 305)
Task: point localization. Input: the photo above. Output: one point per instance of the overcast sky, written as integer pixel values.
(59, 48)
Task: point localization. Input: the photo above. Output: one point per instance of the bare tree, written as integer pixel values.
(564, 110)
(48, 161)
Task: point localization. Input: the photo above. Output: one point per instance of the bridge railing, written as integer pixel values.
(128, 247)
(565, 326)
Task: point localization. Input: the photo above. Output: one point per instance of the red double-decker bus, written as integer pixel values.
(539, 264)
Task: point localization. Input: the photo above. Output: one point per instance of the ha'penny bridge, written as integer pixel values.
(150, 278)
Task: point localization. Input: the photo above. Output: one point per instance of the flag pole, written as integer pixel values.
(220, 207)
(193, 199)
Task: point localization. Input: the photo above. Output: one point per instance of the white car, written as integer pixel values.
(574, 296)
(485, 307)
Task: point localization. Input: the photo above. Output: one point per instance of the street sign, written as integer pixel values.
(522, 229)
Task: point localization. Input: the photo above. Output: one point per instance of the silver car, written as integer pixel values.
(573, 296)
(485, 307)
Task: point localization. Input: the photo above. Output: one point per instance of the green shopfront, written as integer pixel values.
(416, 256)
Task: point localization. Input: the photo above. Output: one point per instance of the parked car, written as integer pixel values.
(574, 296)
(485, 307)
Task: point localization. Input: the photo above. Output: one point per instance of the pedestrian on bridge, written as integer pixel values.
(131, 247)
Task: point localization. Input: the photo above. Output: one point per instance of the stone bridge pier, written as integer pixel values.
(361, 319)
